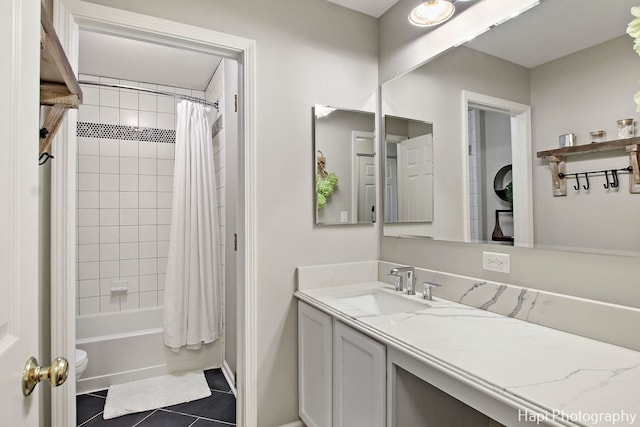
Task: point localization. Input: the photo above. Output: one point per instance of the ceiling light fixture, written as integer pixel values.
(431, 12)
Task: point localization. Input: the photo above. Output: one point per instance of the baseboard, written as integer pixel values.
(294, 424)
(228, 374)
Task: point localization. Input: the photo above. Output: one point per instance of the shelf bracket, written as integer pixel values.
(558, 166)
(634, 177)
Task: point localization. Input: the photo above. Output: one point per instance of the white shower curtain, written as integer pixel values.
(192, 313)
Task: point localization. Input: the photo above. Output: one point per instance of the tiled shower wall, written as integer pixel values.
(125, 180)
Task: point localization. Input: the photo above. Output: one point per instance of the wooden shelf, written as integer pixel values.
(590, 148)
(59, 87)
(557, 161)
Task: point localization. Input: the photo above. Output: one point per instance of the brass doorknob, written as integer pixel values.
(57, 374)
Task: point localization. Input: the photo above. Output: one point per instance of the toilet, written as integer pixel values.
(81, 362)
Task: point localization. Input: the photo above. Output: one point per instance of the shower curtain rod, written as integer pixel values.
(157, 92)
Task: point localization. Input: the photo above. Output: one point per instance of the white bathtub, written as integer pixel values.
(128, 346)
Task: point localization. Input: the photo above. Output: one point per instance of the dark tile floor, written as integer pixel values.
(217, 410)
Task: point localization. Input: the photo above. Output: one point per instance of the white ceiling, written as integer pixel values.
(561, 26)
(127, 59)
(375, 8)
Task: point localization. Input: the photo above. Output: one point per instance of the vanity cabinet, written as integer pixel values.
(342, 373)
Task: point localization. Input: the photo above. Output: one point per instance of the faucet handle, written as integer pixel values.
(397, 279)
(426, 290)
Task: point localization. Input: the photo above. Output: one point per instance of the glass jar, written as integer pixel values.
(626, 129)
(597, 136)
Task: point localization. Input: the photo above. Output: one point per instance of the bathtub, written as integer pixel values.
(128, 345)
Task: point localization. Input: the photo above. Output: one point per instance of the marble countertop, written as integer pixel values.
(566, 379)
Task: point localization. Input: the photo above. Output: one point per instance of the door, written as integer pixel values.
(391, 191)
(19, 112)
(366, 188)
(415, 177)
(359, 379)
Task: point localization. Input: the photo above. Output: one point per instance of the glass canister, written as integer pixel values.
(626, 128)
(597, 136)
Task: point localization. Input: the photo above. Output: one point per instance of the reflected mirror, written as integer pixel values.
(345, 172)
(408, 191)
(500, 99)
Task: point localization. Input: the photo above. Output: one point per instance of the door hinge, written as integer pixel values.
(235, 98)
(235, 242)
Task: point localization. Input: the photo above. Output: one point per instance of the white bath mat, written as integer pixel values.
(154, 393)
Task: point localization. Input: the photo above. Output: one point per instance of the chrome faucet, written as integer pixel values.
(410, 279)
(426, 290)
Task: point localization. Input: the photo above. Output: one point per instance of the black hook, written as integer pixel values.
(616, 183)
(577, 186)
(606, 177)
(44, 157)
(586, 176)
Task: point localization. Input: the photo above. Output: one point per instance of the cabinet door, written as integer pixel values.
(315, 349)
(358, 379)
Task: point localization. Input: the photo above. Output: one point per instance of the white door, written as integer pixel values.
(391, 191)
(415, 179)
(19, 112)
(366, 188)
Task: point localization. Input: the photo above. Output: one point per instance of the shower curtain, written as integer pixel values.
(192, 313)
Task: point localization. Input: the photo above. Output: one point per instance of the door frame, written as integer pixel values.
(521, 155)
(69, 17)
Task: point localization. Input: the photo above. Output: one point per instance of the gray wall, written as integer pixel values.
(300, 63)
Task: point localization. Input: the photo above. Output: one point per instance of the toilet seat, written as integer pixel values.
(81, 361)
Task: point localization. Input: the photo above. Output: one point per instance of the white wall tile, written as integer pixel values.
(147, 150)
(161, 281)
(105, 286)
(128, 200)
(89, 146)
(88, 217)
(109, 182)
(165, 183)
(90, 95)
(148, 266)
(128, 216)
(128, 182)
(163, 233)
(133, 283)
(129, 267)
(129, 99)
(147, 199)
(148, 283)
(147, 183)
(166, 151)
(89, 306)
(109, 147)
(109, 234)
(129, 250)
(148, 102)
(165, 200)
(109, 115)
(163, 249)
(164, 216)
(128, 117)
(109, 217)
(166, 121)
(148, 233)
(109, 199)
(90, 164)
(109, 252)
(148, 250)
(160, 298)
(88, 182)
(109, 304)
(131, 301)
(87, 253)
(89, 114)
(129, 234)
(109, 164)
(88, 235)
(88, 288)
(128, 148)
(109, 269)
(165, 166)
(109, 97)
(148, 217)
(128, 165)
(88, 270)
(166, 104)
(148, 299)
(162, 265)
(147, 119)
(148, 166)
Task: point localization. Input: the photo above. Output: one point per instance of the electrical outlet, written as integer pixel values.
(496, 262)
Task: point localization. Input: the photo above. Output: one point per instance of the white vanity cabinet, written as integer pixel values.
(342, 373)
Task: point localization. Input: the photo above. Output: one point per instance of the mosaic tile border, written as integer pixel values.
(128, 133)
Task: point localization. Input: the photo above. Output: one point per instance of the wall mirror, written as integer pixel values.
(501, 98)
(344, 165)
(408, 191)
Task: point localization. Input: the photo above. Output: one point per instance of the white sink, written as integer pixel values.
(382, 303)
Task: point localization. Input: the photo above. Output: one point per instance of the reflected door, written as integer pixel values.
(415, 179)
(391, 192)
(366, 188)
